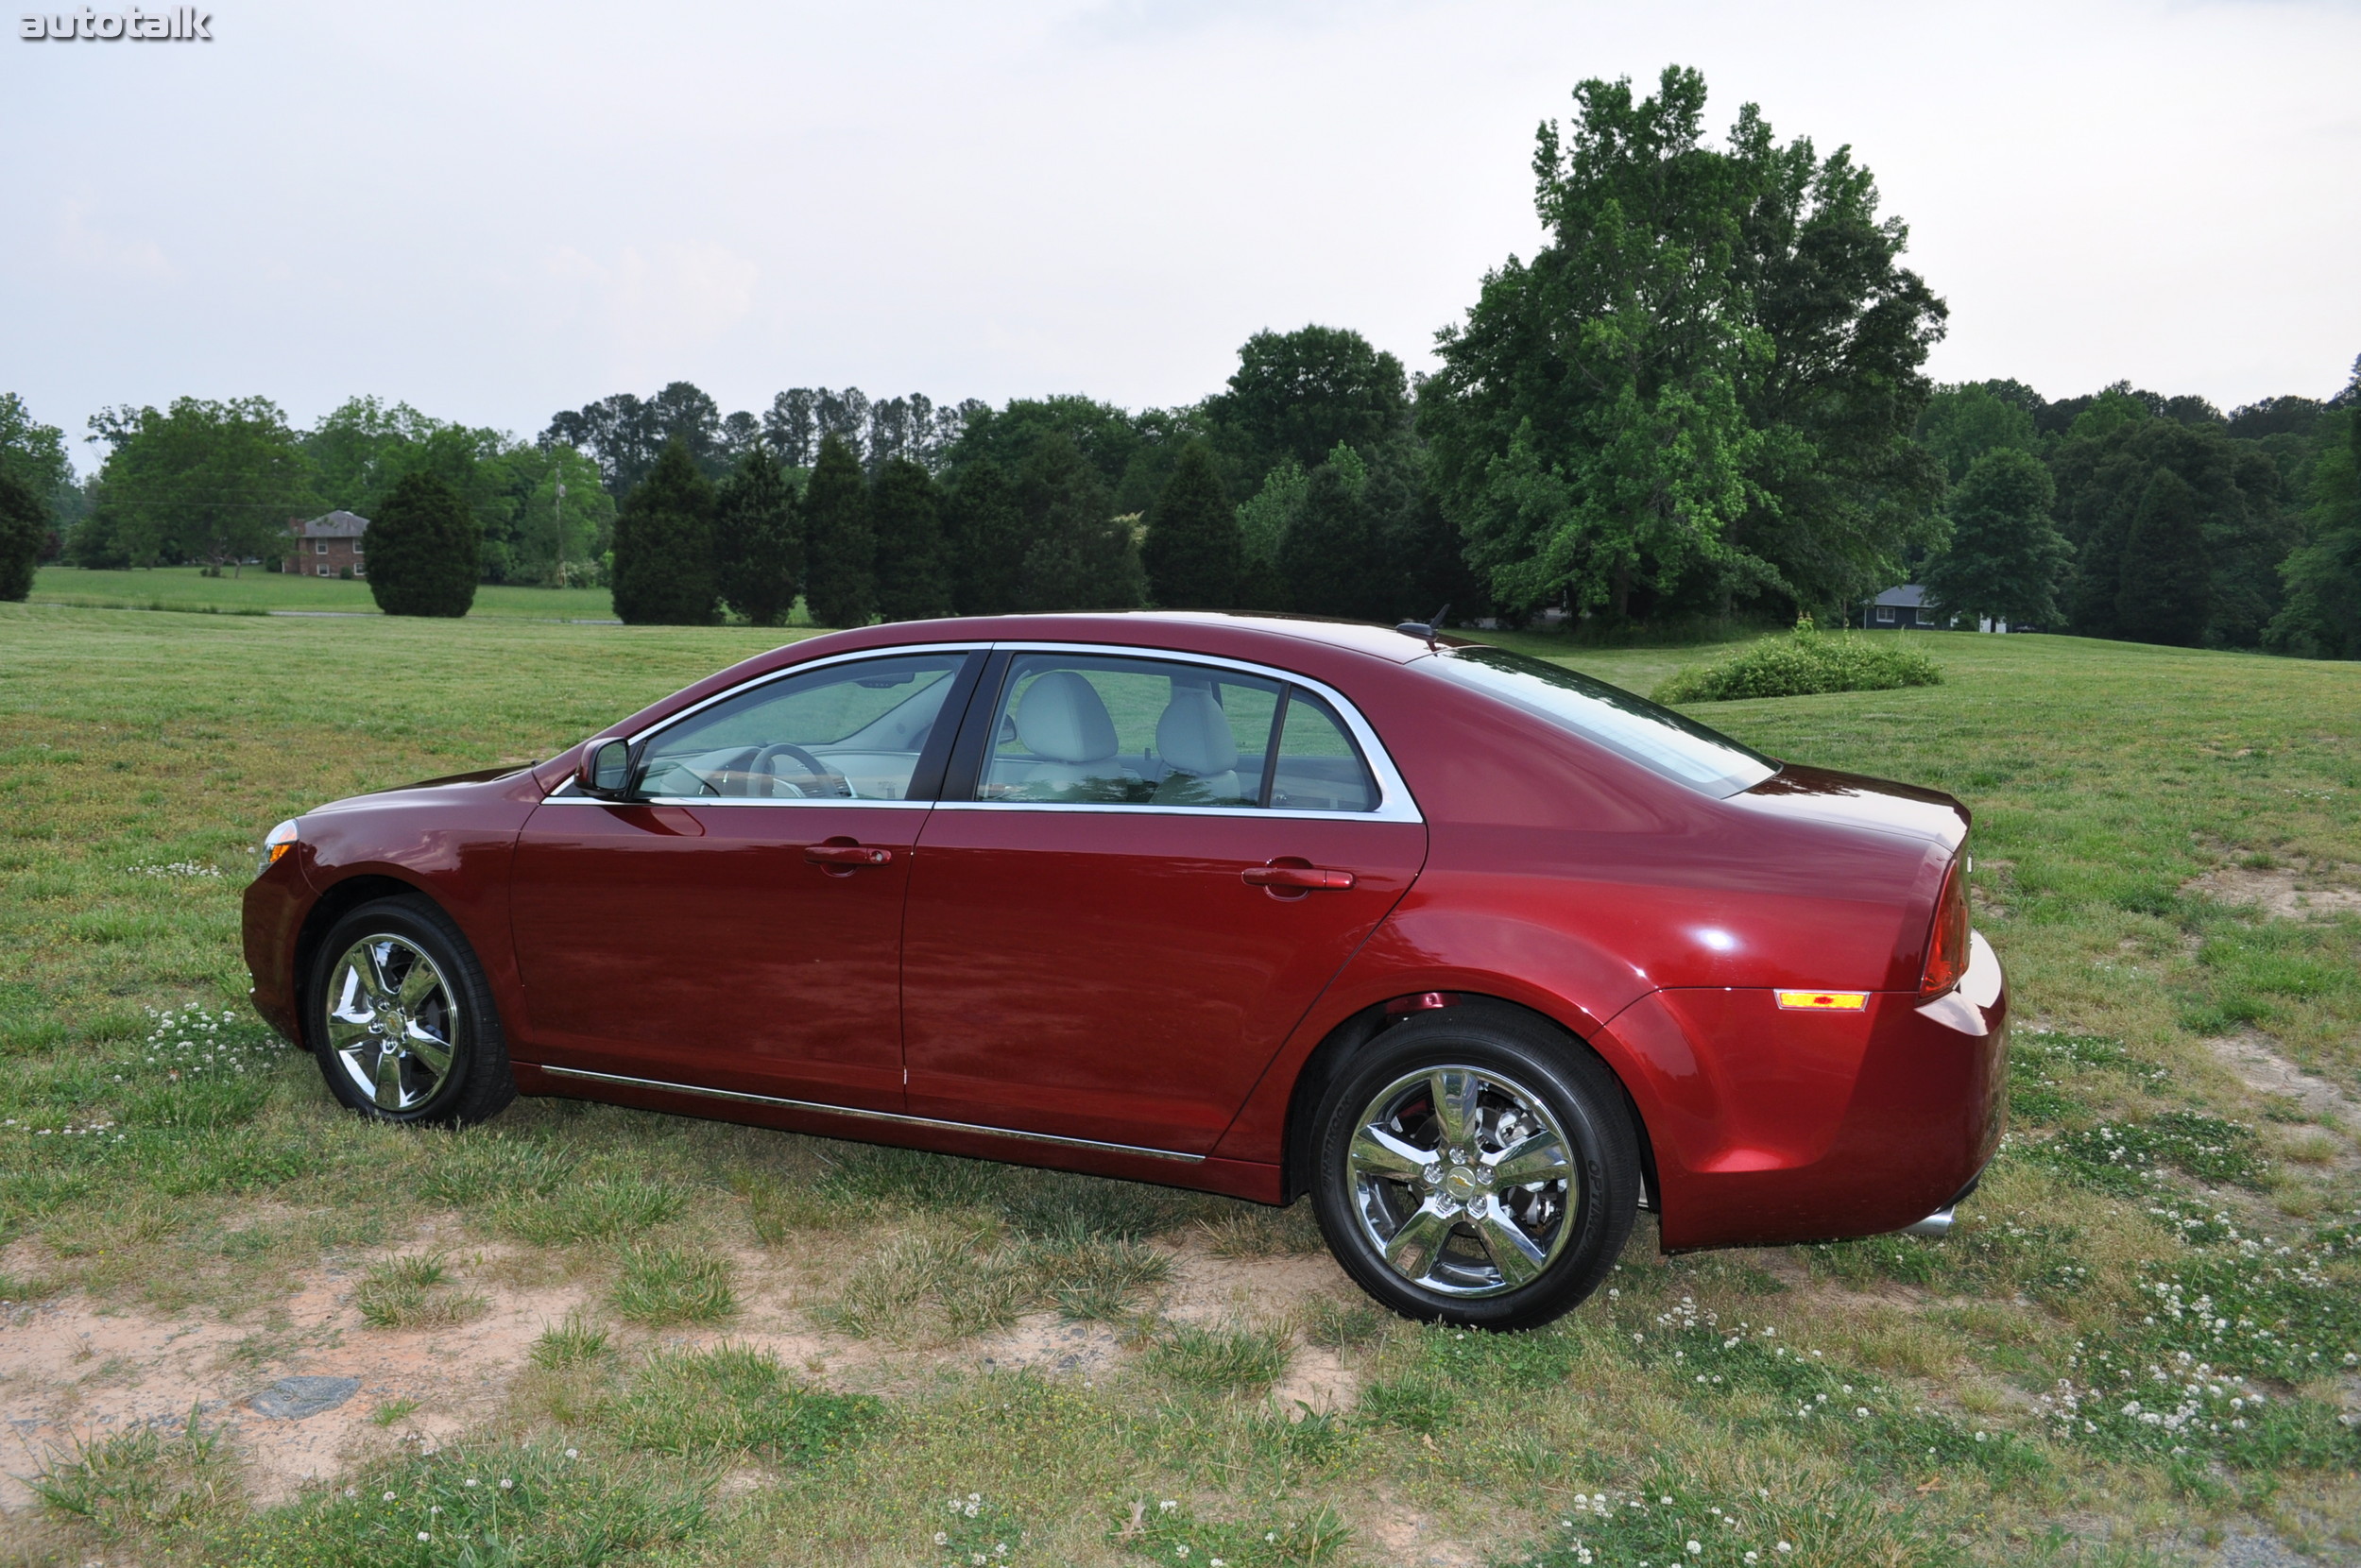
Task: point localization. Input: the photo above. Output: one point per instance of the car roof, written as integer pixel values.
(1359, 636)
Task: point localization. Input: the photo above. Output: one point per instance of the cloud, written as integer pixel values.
(653, 306)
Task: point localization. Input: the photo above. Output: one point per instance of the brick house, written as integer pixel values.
(324, 546)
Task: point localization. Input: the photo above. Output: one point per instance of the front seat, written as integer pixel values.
(1062, 720)
(1194, 739)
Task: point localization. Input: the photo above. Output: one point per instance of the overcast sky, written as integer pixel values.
(494, 212)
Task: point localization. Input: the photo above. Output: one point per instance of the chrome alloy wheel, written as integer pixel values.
(1462, 1181)
(390, 1020)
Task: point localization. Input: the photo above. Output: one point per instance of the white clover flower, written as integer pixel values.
(389, 1497)
(423, 1536)
(1694, 1549)
(1787, 1547)
(508, 1485)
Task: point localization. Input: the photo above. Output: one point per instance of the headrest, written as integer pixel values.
(1194, 734)
(1060, 717)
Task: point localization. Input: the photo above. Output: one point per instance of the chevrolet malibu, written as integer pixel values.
(1483, 955)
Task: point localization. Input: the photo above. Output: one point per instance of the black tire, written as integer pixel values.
(473, 1084)
(1512, 1058)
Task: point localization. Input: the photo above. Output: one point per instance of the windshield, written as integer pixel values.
(1655, 738)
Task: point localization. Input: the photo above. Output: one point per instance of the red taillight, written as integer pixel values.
(1947, 942)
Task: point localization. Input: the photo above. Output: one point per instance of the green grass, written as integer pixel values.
(256, 591)
(162, 1154)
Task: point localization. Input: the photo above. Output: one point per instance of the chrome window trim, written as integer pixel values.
(1394, 801)
(896, 1117)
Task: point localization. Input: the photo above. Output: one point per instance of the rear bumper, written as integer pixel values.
(1813, 1126)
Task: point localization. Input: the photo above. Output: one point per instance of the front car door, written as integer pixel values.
(738, 925)
(1143, 870)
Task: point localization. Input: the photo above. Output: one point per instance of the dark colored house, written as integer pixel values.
(324, 546)
(1897, 608)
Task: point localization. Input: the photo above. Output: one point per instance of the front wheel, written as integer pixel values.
(401, 1019)
(1475, 1168)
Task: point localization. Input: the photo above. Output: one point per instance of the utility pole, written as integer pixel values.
(557, 515)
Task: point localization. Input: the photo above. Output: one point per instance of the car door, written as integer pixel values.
(1143, 872)
(739, 925)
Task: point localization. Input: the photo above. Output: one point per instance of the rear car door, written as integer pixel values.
(739, 926)
(1143, 870)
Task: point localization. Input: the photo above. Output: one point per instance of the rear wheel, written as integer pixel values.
(1475, 1168)
(401, 1020)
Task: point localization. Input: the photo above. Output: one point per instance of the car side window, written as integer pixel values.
(1086, 729)
(1318, 767)
(843, 732)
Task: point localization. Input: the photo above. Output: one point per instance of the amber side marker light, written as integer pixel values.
(277, 843)
(1824, 1001)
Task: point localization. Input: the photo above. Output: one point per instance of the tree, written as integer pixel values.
(2004, 558)
(906, 516)
(628, 434)
(32, 452)
(1295, 394)
(986, 539)
(1193, 552)
(24, 532)
(663, 573)
(758, 540)
(1328, 559)
(2323, 616)
(2165, 579)
(1262, 521)
(424, 549)
(204, 481)
(1960, 424)
(1082, 557)
(1703, 387)
(840, 552)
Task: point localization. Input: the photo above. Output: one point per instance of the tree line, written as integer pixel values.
(1701, 399)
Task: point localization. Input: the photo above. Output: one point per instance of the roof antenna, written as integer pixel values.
(1426, 628)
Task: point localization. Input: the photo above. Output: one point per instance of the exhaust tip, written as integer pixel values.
(1934, 1225)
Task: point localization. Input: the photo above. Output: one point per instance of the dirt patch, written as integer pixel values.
(2253, 1057)
(75, 1370)
(2279, 891)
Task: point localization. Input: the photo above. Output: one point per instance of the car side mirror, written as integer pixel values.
(604, 771)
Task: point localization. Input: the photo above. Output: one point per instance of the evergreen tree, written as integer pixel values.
(424, 549)
(986, 539)
(663, 573)
(24, 531)
(1328, 559)
(1193, 552)
(2323, 618)
(906, 515)
(758, 540)
(2004, 558)
(2165, 572)
(1082, 557)
(840, 560)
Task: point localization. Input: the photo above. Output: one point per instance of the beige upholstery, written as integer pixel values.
(1194, 739)
(1061, 718)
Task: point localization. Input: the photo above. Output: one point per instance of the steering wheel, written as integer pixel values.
(830, 781)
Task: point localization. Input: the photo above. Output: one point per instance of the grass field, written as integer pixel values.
(256, 591)
(585, 1335)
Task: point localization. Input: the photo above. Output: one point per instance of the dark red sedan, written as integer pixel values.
(1482, 954)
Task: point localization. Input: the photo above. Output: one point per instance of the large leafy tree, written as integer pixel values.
(1960, 424)
(758, 540)
(201, 480)
(424, 549)
(1295, 394)
(2005, 558)
(24, 532)
(1702, 387)
(33, 451)
(664, 573)
(1193, 552)
(1081, 557)
(628, 434)
(840, 551)
(2164, 592)
(914, 580)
